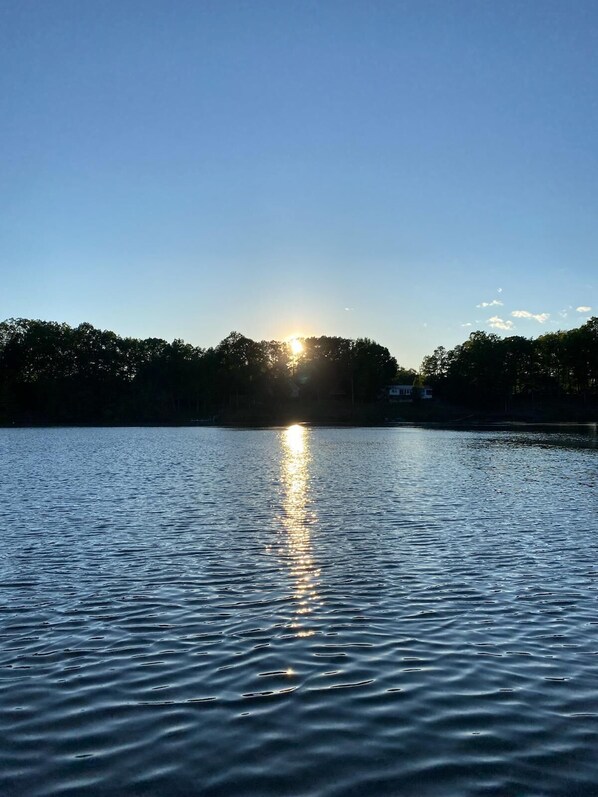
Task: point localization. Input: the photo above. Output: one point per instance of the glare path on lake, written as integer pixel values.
(297, 520)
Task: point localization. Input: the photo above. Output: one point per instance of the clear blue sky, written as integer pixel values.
(380, 169)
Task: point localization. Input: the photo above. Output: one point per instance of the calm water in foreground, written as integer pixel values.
(298, 612)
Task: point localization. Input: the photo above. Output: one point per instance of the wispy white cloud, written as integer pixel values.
(583, 309)
(499, 290)
(539, 317)
(469, 324)
(493, 303)
(498, 323)
(348, 309)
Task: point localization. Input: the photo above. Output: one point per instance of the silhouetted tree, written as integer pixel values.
(487, 370)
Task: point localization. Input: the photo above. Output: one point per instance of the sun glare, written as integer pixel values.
(296, 346)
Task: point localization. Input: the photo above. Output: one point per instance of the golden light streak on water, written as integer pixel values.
(297, 521)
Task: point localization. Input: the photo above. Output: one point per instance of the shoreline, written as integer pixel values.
(436, 414)
(480, 425)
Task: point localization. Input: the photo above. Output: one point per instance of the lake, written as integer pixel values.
(320, 612)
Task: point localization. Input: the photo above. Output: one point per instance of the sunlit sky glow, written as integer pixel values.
(406, 171)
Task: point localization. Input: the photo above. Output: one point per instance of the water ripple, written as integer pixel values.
(331, 612)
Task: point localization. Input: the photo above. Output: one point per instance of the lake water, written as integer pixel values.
(322, 612)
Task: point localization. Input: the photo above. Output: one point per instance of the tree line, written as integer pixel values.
(488, 371)
(54, 373)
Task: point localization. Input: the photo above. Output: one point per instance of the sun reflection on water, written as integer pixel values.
(297, 521)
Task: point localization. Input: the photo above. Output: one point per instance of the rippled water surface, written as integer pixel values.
(298, 612)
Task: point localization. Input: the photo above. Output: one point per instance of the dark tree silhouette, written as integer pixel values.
(488, 371)
(53, 373)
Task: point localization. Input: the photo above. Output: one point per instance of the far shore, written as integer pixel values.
(433, 414)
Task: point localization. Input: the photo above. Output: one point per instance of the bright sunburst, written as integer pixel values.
(296, 346)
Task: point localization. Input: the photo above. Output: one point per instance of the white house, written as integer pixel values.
(406, 392)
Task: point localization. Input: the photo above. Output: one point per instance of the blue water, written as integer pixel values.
(298, 612)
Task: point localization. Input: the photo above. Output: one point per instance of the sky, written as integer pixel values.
(403, 171)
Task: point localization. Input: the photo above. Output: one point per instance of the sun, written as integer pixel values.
(296, 346)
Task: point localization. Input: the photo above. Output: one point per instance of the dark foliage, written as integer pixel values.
(489, 371)
(53, 373)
